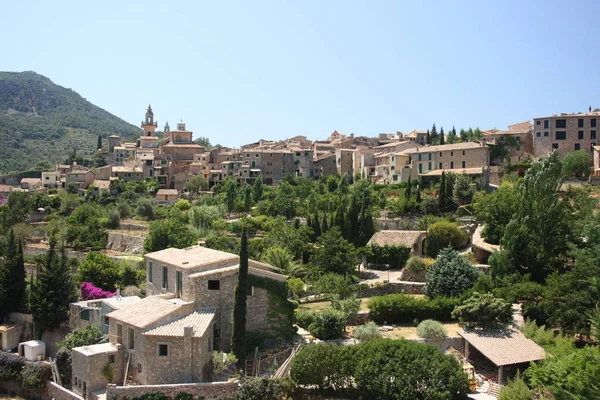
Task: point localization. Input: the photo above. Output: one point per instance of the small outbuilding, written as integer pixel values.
(400, 238)
(33, 350)
(9, 336)
(505, 348)
(168, 196)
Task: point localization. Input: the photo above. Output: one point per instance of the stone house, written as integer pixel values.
(517, 142)
(93, 312)
(565, 133)
(168, 337)
(31, 183)
(80, 176)
(128, 172)
(413, 240)
(88, 362)
(51, 179)
(168, 196)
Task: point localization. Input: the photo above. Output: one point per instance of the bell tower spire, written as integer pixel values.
(149, 125)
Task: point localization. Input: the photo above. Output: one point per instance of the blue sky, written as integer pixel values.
(237, 71)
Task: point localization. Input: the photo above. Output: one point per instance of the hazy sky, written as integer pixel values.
(237, 71)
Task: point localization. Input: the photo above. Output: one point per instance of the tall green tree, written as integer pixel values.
(537, 236)
(99, 142)
(442, 197)
(238, 339)
(52, 291)
(12, 277)
(435, 138)
(100, 270)
(450, 275)
(247, 198)
(428, 137)
(257, 189)
(452, 136)
(442, 136)
(334, 254)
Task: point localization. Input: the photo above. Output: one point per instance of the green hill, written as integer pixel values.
(41, 121)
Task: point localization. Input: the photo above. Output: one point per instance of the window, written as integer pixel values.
(560, 135)
(419, 157)
(106, 320)
(429, 157)
(139, 368)
(451, 164)
(163, 350)
(561, 123)
(463, 152)
(85, 315)
(577, 146)
(546, 124)
(165, 282)
(440, 153)
(214, 285)
(429, 166)
(464, 164)
(250, 291)
(593, 122)
(537, 122)
(538, 134)
(420, 168)
(451, 154)
(592, 134)
(178, 284)
(555, 146)
(150, 271)
(440, 165)
(545, 133)
(580, 123)
(580, 135)
(130, 339)
(257, 155)
(111, 359)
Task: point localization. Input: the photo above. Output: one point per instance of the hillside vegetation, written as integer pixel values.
(41, 121)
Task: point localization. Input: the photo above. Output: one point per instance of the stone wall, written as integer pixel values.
(217, 390)
(125, 243)
(60, 393)
(30, 250)
(15, 387)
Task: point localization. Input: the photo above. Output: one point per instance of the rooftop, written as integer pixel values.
(395, 238)
(193, 257)
(199, 320)
(93, 349)
(167, 192)
(462, 171)
(504, 346)
(124, 168)
(444, 147)
(146, 311)
(116, 302)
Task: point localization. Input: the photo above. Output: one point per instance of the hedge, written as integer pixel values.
(402, 308)
(388, 257)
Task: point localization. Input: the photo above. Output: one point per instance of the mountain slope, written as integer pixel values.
(41, 121)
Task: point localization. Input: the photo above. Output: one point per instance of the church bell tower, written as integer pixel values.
(148, 125)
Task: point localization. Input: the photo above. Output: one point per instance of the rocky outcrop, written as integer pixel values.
(125, 243)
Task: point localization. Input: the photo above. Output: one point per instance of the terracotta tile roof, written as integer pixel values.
(117, 302)
(461, 171)
(146, 311)
(395, 238)
(193, 257)
(504, 346)
(199, 320)
(167, 192)
(444, 147)
(103, 184)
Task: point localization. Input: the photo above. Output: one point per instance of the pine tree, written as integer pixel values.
(52, 291)
(442, 138)
(238, 339)
(452, 136)
(463, 136)
(99, 142)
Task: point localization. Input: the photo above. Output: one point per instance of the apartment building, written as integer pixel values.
(565, 133)
(512, 145)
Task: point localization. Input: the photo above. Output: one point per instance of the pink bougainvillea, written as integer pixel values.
(91, 292)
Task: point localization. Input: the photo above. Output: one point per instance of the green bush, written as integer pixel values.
(183, 396)
(262, 388)
(402, 308)
(483, 311)
(324, 365)
(388, 257)
(304, 318)
(328, 324)
(35, 374)
(431, 329)
(64, 364)
(450, 275)
(368, 331)
(443, 234)
(416, 263)
(11, 365)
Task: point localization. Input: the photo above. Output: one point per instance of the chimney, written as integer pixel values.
(118, 292)
(482, 141)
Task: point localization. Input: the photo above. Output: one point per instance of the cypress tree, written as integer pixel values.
(316, 225)
(52, 291)
(428, 137)
(442, 139)
(434, 135)
(408, 191)
(99, 142)
(352, 224)
(257, 189)
(12, 278)
(325, 227)
(442, 193)
(238, 339)
(419, 191)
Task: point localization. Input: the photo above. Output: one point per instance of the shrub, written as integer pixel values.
(328, 324)
(146, 207)
(349, 306)
(35, 374)
(182, 205)
(416, 263)
(483, 311)
(262, 388)
(107, 372)
(516, 389)
(431, 329)
(64, 365)
(388, 257)
(89, 335)
(91, 292)
(443, 234)
(114, 218)
(368, 331)
(11, 365)
(295, 287)
(402, 308)
(324, 365)
(450, 275)
(304, 318)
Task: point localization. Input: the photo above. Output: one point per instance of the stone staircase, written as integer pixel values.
(494, 390)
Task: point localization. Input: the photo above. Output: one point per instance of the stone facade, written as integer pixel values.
(87, 361)
(565, 133)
